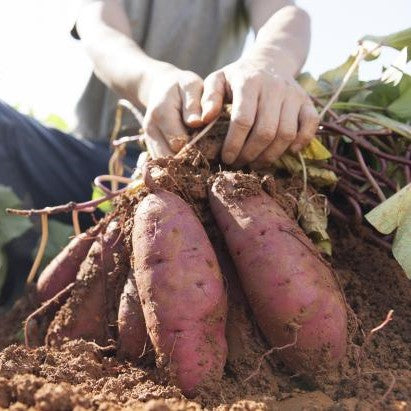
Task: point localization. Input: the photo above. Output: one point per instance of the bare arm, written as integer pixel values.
(284, 39)
(270, 112)
(168, 93)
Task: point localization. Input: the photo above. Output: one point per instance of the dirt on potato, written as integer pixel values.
(82, 375)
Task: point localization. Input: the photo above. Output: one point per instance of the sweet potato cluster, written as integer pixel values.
(158, 284)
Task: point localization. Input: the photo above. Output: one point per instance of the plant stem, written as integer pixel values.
(363, 143)
(361, 54)
(86, 207)
(366, 171)
(42, 248)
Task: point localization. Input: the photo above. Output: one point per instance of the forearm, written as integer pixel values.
(118, 61)
(282, 42)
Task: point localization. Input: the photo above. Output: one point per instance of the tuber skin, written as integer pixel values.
(291, 290)
(181, 290)
(62, 270)
(132, 333)
(87, 312)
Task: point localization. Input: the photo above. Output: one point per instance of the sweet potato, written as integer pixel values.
(181, 290)
(90, 312)
(290, 288)
(62, 270)
(132, 333)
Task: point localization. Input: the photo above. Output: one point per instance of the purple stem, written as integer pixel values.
(407, 169)
(335, 212)
(364, 143)
(377, 174)
(368, 174)
(357, 209)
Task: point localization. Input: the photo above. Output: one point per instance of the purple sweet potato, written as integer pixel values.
(290, 288)
(181, 290)
(62, 270)
(91, 310)
(132, 333)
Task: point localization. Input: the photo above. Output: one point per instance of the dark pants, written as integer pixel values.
(44, 167)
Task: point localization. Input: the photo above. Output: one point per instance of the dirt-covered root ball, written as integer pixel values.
(290, 288)
(181, 290)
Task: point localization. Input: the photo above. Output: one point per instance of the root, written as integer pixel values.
(98, 181)
(368, 338)
(76, 223)
(269, 352)
(389, 389)
(42, 248)
(31, 325)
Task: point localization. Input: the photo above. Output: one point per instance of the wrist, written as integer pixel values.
(274, 60)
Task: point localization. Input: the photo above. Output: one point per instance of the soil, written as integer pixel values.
(84, 375)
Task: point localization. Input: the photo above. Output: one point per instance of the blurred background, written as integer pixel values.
(43, 70)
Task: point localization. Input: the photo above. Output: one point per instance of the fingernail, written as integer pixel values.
(194, 119)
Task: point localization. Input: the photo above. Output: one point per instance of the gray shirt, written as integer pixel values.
(197, 35)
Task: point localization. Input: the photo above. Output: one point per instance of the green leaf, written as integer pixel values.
(395, 213)
(360, 97)
(387, 216)
(105, 206)
(401, 107)
(333, 78)
(11, 226)
(405, 83)
(397, 40)
(382, 95)
(312, 87)
(55, 121)
(401, 247)
(3, 268)
(59, 236)
(384, 121)
(353, 106)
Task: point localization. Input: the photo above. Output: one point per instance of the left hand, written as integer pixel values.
(270, 111)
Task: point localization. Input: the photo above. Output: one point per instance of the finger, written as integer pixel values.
(172, 129)
(286, 132)
(309, 121)
(265, 126)
(213, 96)
(156, 145)
(191, 91)
(243, 113)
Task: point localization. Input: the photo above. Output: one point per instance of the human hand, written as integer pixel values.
(270, 111)
(174, 101)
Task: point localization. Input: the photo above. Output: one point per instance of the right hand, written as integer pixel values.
(173, 103)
